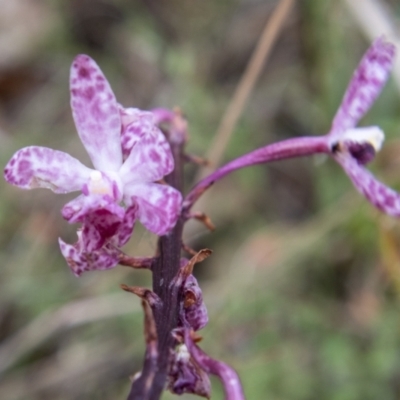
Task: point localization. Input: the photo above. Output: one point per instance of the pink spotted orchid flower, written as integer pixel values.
(129, 154)
(352, 147)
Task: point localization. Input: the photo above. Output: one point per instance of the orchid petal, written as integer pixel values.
(150, 158)
(96, 114)
(365, 85)
(378, 194)
(41, 167)
(158, 205)
(100, 215)
(135, 125)
(126, 228)
(185, 376)
(80, 261)
(195, 311)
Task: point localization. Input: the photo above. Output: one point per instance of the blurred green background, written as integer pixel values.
(303, 288)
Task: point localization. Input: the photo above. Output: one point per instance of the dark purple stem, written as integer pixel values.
(165, 268)
(296, 147)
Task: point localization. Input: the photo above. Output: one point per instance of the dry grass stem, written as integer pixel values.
(246, 84)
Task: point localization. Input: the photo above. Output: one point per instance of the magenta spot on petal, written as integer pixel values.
(84, 73)
(154, 156)
(23, 166)
(382, 191)
(115, 191)
(36, 151)
(97, 112)
(89, 93)
(85, 190)
(389, 201)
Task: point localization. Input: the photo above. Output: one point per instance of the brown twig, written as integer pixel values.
(142, 385)
(136, 262)
(246, 84)
(205, 219)
(145, 294)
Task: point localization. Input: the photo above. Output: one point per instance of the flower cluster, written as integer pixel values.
(129, 154)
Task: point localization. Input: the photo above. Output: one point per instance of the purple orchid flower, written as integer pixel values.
(351, 147)
(129, 154)
(186, 376)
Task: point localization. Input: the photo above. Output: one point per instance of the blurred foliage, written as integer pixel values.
(303, 286)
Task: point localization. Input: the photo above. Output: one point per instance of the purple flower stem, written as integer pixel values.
(228, 376)
(290, 148)
(165, 267)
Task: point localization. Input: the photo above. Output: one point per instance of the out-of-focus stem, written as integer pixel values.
(290, 148)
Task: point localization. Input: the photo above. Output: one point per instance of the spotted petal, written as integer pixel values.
(158, 205)
(381, 196)
(365, 85)
(80, 261)
(100, 215)
(126, 228)
(150, 158)
(185, 376)
(135, 125)
(41, 167)
(96, 114)
(194, 310)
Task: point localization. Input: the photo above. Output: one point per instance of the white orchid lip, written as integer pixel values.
(372, 135)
